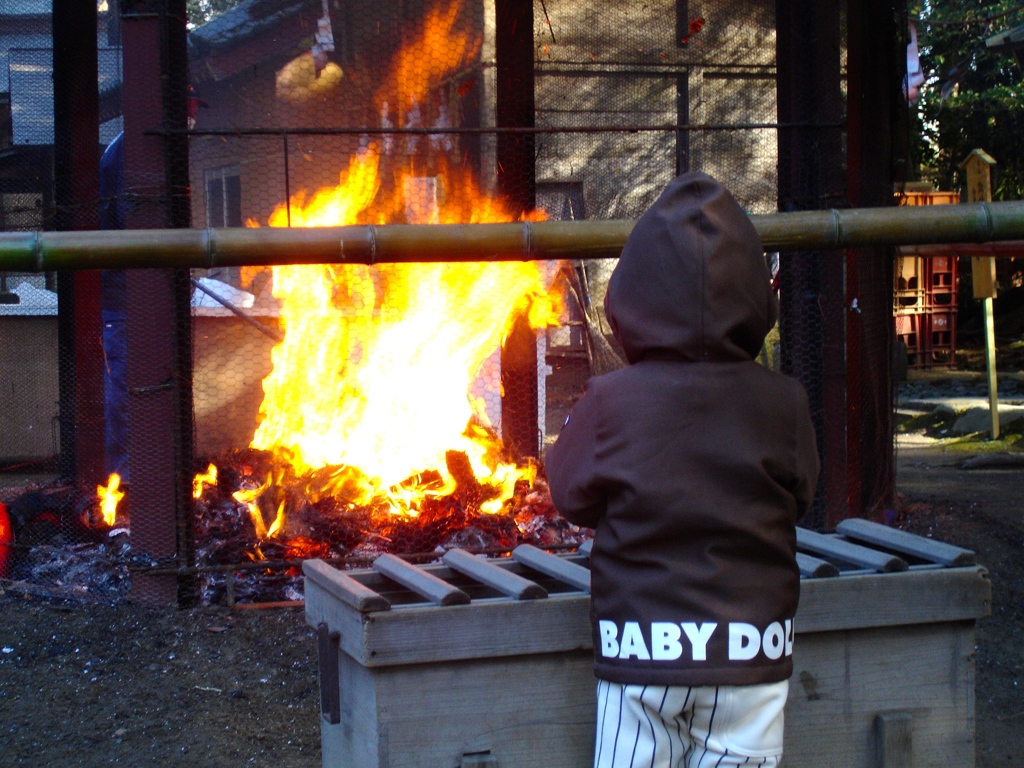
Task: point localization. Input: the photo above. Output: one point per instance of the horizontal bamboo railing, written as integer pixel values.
(397, 243)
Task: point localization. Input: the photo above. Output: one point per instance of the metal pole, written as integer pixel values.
(521, 241)
(287, 183)
(273, 333)
(517, 184)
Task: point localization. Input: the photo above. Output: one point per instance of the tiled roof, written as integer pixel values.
(25, 7)
(251, 33)
(245, 21)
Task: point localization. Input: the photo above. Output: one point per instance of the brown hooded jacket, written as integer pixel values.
(694, 462)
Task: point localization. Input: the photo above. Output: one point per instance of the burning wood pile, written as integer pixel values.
(231, 525)
(257, 508)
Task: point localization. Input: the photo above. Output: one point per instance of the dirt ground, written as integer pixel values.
(979, 508)
(93, 685)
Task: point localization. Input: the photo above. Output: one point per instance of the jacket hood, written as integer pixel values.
(692, 281)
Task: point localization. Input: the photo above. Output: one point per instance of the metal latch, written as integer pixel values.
(478, 760)
(328, 646)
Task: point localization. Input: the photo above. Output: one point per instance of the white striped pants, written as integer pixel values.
(656, 726)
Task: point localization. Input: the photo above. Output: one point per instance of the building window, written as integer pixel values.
(223, 197)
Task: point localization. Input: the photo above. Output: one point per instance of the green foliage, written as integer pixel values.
(201, 11)
(985, 108)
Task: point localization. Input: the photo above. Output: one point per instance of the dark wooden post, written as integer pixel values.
(76, 139)
(683, 35)
(159, 322)
(516, 177)
(875, 108)
(516, 172)
(812, 317)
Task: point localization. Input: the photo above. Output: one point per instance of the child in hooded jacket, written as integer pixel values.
(693, 464)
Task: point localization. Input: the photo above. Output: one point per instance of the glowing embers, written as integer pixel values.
(209, 477)
(262, 508)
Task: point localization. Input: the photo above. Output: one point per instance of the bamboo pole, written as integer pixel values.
(398, 243)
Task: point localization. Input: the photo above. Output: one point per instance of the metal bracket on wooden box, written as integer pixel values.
(894, 744)
(479, 760)
(328, 643)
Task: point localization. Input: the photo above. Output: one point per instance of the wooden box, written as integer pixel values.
(428, 666)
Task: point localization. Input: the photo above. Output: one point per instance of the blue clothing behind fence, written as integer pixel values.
(115, 331)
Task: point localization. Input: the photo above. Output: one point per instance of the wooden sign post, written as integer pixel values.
(983, 272)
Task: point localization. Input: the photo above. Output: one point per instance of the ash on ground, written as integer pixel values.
(61, 546)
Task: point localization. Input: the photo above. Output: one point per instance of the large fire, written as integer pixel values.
(370, 400)
(376, 363)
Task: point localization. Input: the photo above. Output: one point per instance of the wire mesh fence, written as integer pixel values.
(257, 416)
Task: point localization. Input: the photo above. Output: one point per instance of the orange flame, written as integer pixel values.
(377, 363)
(204, 478)
(249, 497)
(440, 49)
(110, 496)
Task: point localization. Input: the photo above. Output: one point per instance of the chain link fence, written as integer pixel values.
(339, 411)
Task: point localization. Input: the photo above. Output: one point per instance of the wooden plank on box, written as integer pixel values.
(839, 549)
(553, 566)
(907, 543)
(810, 567)
(343, 587)
(485, 572)
(893, 599)
(496, 627)
(419, 581)
(357, 740)
(486, 629)
(815, 568)
(439, 715)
